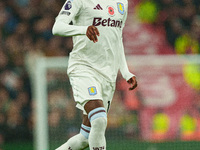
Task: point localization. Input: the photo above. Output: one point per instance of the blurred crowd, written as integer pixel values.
(181, 19)
(25, 33)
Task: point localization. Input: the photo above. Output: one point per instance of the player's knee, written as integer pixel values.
(99, 124)
(98, 118)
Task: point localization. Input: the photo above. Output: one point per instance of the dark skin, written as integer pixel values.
(92, 33)
(92, 104)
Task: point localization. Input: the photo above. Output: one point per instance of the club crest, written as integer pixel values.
(120, 7)
(92, 90)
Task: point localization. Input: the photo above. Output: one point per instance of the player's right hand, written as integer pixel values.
(92, 33)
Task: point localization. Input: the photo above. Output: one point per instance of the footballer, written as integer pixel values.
(97, 56)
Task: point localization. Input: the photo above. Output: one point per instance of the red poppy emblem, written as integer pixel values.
(111, 10)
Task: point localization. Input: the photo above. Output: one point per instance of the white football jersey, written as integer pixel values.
(105, 56)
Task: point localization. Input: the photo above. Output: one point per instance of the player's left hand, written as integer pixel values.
(133, 82)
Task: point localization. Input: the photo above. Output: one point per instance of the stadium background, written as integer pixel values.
(159, 27)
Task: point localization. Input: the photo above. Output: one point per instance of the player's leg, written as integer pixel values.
(79, 141)
(98, 119)
(87, 91)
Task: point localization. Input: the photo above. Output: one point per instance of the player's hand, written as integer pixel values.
(92, 33)
(133, 82)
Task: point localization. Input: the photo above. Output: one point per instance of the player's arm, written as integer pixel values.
(67, 14)
(127, 75)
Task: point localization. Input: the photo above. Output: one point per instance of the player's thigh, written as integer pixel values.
(86, 88)
(92, 104)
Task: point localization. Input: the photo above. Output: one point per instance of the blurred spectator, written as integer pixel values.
(160, 125)
(191, 74)
(188, 126)
(147, 11)
(185, 44)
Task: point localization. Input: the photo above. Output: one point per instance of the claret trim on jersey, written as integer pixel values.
(107, 22)
(98, 7)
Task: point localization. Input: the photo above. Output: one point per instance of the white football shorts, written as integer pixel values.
(87, 84)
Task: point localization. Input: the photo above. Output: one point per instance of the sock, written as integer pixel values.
(77, 142)
(85, 131)
(98, 120)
